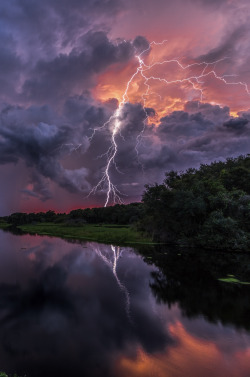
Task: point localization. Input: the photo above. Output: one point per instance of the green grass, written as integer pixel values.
(100, 233)
(2, 374)
(233, 280)
(3, 225)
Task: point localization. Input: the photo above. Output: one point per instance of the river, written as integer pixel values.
(88, 309)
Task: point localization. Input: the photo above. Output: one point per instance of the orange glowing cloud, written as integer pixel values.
(166, 83)
(191, 356)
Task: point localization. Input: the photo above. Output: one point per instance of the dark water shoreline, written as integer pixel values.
(118, 236)
(70, 307)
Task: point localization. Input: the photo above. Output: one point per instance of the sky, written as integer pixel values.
(100, 97)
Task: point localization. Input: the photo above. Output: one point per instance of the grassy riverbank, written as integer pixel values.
(117, 234)
(4, 225)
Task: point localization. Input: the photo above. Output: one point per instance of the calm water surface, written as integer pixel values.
(69, 309)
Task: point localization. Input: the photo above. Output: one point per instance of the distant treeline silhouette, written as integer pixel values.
(207, 207)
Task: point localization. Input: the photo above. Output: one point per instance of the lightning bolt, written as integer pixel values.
(195, 81)
(111, 260)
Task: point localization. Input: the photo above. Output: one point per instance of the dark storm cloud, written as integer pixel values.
(180, 125)
(214, 113)
(75, 71)
(182, 139)
(201, 136)
(140, 44)
(11, 66)
(23, 136)
(82, 110)
(44, 27)
(53, 49)
(237, 125)
(202, 133)
(245, 114)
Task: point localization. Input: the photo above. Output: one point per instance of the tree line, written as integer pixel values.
(207, 207)
(119, 214)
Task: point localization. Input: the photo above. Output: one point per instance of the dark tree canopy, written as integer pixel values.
(208, 207)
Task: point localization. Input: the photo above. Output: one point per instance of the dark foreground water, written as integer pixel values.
(69, 309)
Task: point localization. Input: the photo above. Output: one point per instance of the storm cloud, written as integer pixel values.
(69, 73)
(64, 67)
(200, 136)
(38, 144)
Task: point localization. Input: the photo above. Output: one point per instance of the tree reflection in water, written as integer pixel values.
(191, 279)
